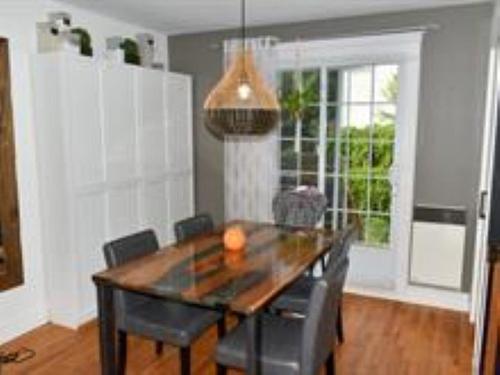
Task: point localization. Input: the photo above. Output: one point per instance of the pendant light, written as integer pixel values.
(242, 103)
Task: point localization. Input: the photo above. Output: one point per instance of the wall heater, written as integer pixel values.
(438, 242)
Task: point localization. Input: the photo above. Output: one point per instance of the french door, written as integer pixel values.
(344, 143)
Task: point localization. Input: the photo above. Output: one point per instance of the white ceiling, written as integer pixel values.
(187, 16)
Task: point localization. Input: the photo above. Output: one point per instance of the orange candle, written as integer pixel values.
(234, 239)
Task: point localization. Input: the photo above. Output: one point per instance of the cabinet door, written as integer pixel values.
(179, 127)
(181, 198)
(84, 125)
(90, 229)
(123, 211)
(152, 123)
(180, 159)
(154, 208)
(119, 114)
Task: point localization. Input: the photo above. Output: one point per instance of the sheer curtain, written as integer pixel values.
(251, 162)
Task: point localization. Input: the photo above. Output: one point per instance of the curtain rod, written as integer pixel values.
(422, 28)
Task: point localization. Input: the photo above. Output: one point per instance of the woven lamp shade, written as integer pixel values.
(231, 111)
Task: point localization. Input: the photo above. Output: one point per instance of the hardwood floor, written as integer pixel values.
(382, 337)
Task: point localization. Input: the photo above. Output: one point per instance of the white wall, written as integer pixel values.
(24, 308)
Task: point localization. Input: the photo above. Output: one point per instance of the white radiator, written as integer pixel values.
(438, 243)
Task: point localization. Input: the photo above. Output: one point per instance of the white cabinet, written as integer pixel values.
(114, 153)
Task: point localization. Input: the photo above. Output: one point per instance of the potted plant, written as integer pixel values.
(131, 51)
(85, 41)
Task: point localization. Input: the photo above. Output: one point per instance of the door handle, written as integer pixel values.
(482, 204)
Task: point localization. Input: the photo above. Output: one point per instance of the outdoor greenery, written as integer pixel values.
(364, 166)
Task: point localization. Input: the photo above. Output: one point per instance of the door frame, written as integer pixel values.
(481, 269)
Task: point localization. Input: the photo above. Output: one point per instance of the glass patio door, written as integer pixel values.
(343, 142)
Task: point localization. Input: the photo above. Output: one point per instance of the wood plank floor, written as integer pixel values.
(382, 337)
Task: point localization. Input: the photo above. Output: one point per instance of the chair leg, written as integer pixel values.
(122, 352)
(330, 364)
(221, 370)
(323, 265)
(241, 319)
(186, 361)
(340, 325)
(158, 348)
(221, 328)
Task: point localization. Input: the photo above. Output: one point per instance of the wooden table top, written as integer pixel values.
(200, 271)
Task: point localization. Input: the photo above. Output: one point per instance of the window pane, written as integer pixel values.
(288, 156)
(386, 83)
(380, 195)
(359, 158)
(333, 86)
(344, 158)
(309, 156)
(287, 125)
(346, 218)
(359, 116)
(288, 182)
(328, 219)
(309, 179)
(329, 187)
(287, 83)
(382, 158)
(360, 89)
(339, 194)
(333, 118)
(310, 123)
(357, 193)
(330, 156)
(311, 84)
(377, 230)
(385, 115)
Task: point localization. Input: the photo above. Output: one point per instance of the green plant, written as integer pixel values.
(131, 51)
(85, 41)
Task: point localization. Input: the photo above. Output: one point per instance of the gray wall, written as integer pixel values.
(454, 65)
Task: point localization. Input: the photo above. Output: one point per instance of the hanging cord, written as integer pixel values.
(243, 37)
(19, 356)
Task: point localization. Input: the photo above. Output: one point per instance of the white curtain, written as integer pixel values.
(251, 162)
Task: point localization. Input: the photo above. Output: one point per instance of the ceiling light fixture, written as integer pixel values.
(242, 103)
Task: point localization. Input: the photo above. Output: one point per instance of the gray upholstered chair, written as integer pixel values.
(293, 346)
(159, 320)
(296, 298)
(193, 226)
(303, 208)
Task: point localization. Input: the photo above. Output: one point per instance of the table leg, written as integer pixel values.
(253, 344)
(106, 318)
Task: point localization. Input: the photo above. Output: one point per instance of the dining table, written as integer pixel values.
(202, 272)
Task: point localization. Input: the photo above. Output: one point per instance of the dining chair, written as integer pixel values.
(163, 321)
(299, 208)
(296, 298)
(293, 346)
(193, 226)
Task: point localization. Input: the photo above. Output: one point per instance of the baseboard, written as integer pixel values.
(89, 315)
(443, 299)
(22, 322)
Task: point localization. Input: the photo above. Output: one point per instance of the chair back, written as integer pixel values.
(319, 332)
(340, 249)
(299, 208)
(121, 251)
(193, 226)
(350, 235)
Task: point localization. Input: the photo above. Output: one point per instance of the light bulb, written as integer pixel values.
(244, 91)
